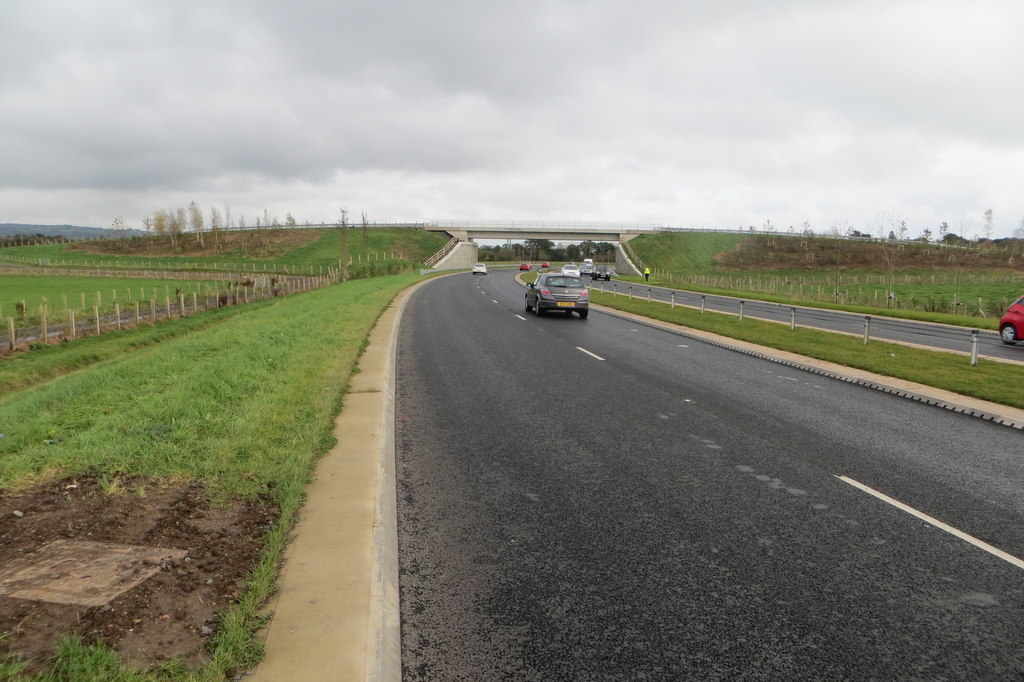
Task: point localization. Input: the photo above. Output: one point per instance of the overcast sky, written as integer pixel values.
(722, 113)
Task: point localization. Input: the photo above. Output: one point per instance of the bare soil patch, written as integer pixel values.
(171, 614)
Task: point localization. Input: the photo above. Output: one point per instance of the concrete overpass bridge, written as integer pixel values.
(463, 250)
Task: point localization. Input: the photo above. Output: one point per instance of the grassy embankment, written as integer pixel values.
(295, 251)
(246, 404)
(927, 283)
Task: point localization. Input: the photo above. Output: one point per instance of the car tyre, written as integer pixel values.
(536, 309)
(1008, 334)
(528, 307)
(583, 314)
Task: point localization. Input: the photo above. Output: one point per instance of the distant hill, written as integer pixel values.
(68, 231)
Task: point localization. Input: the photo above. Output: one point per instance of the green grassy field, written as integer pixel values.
(245, 403)
(61, 293)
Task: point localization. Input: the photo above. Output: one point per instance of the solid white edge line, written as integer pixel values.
(935, 522)
(521, 318)
(589, 353)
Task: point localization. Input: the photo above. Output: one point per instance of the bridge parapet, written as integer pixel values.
(573, 232)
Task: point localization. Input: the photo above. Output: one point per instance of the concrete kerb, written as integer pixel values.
(336, 615)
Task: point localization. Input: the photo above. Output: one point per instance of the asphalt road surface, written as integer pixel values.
(937, 336)
(597, 500)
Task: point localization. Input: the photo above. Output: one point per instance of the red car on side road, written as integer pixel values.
(525, 266)
(1011, 326)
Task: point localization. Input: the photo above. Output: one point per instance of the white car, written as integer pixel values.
(571, 269)
(479, 269)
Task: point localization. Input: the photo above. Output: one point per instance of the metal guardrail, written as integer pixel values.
(631, 256)
(445, 250)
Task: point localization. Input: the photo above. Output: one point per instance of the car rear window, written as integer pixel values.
(564, 282)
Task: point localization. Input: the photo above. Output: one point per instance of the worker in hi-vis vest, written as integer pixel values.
(647, 274)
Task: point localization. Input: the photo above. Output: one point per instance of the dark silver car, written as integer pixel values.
(555, 291)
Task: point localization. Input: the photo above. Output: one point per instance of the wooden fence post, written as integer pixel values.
(96, 315)
(43, 331)
(152, 310)
(10, 333)
(138, 315)
(117, 315)
(71, 324)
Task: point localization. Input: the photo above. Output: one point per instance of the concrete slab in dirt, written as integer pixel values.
(82, 573)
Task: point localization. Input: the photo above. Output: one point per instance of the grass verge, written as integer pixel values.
(48, 362)
(991, 323)
(992, 381)
(247, 406)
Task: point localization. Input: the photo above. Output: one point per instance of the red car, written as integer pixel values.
(545, 264)
(525, 266)
(1011, 326)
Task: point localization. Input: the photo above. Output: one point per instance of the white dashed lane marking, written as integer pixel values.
(935, 522)
(589, 353)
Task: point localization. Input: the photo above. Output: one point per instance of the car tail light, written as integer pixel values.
(546, 291)
(582, 294)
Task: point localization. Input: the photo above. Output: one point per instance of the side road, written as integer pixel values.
(336, 615)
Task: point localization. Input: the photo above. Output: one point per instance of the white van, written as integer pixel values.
(587, 266)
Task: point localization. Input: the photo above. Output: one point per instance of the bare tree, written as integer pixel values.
(176, 225)
(891, 248)
(161, 220)
(121, 225)
(216, 226)
(343, 232)
(195, 221)
(965, 224)
(366, 233)
(838, 230)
